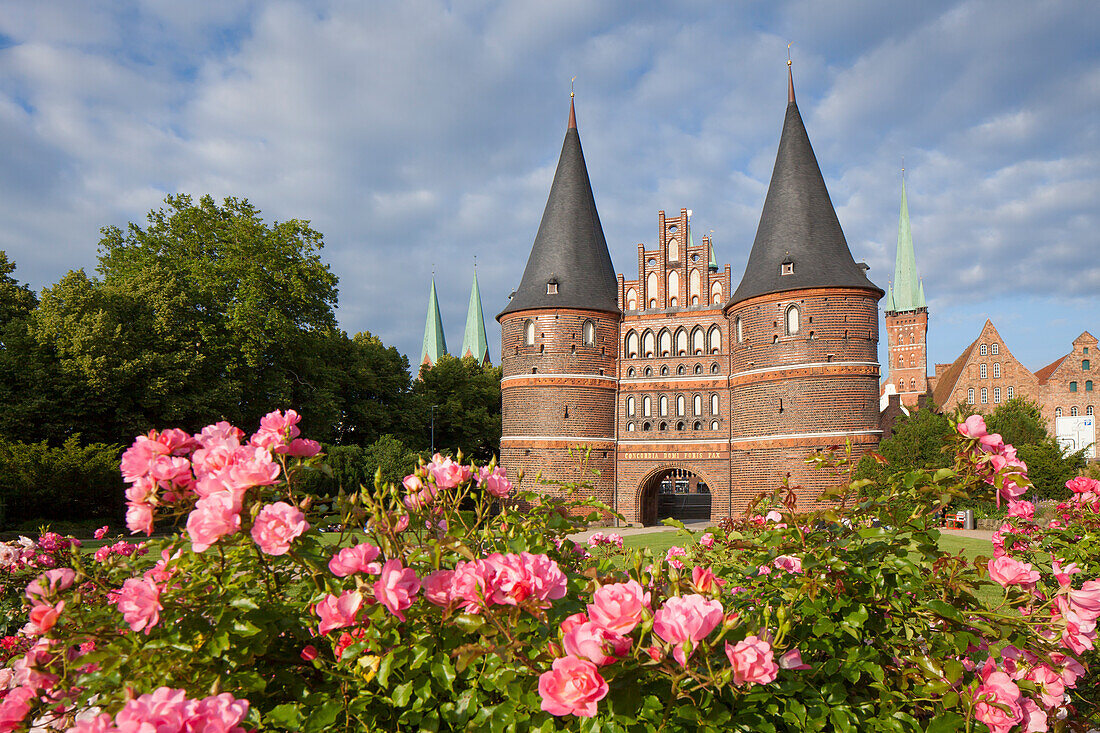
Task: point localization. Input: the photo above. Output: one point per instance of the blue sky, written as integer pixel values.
(421, 132)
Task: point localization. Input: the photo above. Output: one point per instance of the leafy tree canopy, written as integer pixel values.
(466, 395)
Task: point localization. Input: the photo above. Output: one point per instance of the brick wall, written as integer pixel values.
(1057, 390)
(907, 336)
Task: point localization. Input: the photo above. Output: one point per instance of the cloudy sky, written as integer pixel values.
(421, 133)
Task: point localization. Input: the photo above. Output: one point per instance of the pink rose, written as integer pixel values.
(351, 560)
(991, 443)
(572, 622)
(1034, 718)
(752, 661)
(572, 687)
(43, 616)
(218, 714)
(17, 703)
(686, 620)
(588, 641)
(1009, 571)
(704, 579)
(49, 583)
(673, 553)
(300, 448)
(102, 723)
(139, 517)
(254, 468)
(1023, 509)
(495, 482)
(973, 427)
(618, 607)
(516, 578)
(707, 541)
(1072, 670)
(1083, 485)
(101, 532)
(790, 563)
(793, 660)
(139, 603)
(396, 587)
(1062, 575)
(1049, 683)
(997, 701)
(438, 586)
(446, 473)
(337, 613)
(276, 527)
(161, 710)
(277, 430)
(1086, 601)
(212, 518)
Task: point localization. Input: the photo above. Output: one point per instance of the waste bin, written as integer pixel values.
(968, 523)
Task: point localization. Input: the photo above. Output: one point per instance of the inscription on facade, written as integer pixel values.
(677, 456)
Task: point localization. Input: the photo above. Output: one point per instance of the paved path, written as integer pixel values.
(982, 534)
(978, 534)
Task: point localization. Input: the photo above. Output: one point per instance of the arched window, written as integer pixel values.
(697, 425)
(679, 404)
(680, 369)
(985, 396)
(912, 384)
(693, 283)
(673, 249)
(716, 293)
(713, 424)
(1073, 412)
(630, 406)
(648, 372)
(1088, 385)
(697, 341)
(648, 348)
(529, 332)
(651, 288)
(645, 427)
(715, 340)
(697, 404)
(664, 371)
(983, 372)
(663, 426)
(792, 320)
(1088, 410)
(1011, 392)
(674, 288)
(664, 343)
(1073, 386)
(631, 299)
(588, 333)
(1085, 365)
(681, 341)
(662, 408)
(680, 425)
(630, 372)
(647, 407)
(630, 427)
(698, 369)
(632, 344)
(996, 370)
(996, 395)
(714, 404)
(1057, 412)
(970, 396)
(740, 333)
(714, 368)
(984, 349)
(996, 349)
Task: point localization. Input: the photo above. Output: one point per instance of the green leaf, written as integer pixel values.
(287, 715)
(947, 722)
(946, 610)
(402, 693)
(443, 672)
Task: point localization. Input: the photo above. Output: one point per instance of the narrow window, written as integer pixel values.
(697, 404)
(1073, 386)
(984, 349)
(996, 349)
(631, 299)
(529, 332)
(665, 343)
(630, 406)
(681, 342)
(996, 370)
(645, 427)
(697, 340)
(646, 406)
(970, 396)
(912, 384)
(713, 424)
(1073, 412)
(714, 368)
(632, 344)
(996, 395)
(630, 427)
(664, 371)
(630, 372)
(714, 404)
(1088, 385)
(647, 344)
(648, 372)
(588, 333)
(792, 320)
(697, 425)
(680, 369)
(983, 372)
(1088, 410)
(716, 293)
(698, 369)
(985, 396)
(1057, 412)
(740, 334)
(552, 287)
(715, 340)
(1085, 365)
(1011, 391)
(663, 406)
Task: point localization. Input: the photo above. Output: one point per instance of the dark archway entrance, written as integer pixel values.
(676, 493)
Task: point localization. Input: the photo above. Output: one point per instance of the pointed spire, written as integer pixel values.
(569, 265)
(889, 304)
(713, 263)
(435, 345)
(572, 114)
(920, 295)
(907, 288)
(474, 341)
(790, 78)
(799, 233)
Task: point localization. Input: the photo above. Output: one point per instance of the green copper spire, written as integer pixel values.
(713, 264)
(435, 345)
(474, 341)
(907, 293)
(920, 296)
(889, 305)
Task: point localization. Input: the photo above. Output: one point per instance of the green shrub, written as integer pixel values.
(353, 466)
(67, 482)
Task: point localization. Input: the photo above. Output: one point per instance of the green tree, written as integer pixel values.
(374, 389)
(918, 441)
(1019, 421)
(466, 396)
(16, 300)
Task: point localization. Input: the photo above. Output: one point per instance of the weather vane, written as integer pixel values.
(788, 54)
(571, 86)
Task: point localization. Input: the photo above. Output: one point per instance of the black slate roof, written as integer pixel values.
(798, 226)
(569, 248)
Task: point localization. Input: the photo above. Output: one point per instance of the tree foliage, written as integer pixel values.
(466, 396)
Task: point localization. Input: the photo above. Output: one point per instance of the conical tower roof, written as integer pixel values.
(569, 265)
(435, 345)
(798, 226)
(908, 293)
(474, 341)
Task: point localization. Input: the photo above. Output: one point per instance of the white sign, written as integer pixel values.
(1075, 433)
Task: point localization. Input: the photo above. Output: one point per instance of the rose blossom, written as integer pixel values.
(618, 607)
(572, 687)
(704, 579)
(336, 613)
(139, 603)
(495, 482)
(686, 619)
(396, 587)
(49, 583)
(1021, 508)
(17, 703)
(1009, 571)
(1050, 684)
(139, 517)
(43, 616)
(793, 660)
(276, 527)
(446, 473)
(707, 541)
(351, 560)
(518, 577)
(588, 641)
(213, 517)
(438, 586)
(790, 563)
(997, 701)
(674, 552)
(972, 427)
(1086, 601)
(752, 661)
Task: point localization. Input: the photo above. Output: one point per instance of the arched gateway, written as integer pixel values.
(674, 491)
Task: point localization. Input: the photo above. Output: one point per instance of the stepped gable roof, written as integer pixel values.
(570, 251)
(945, 385)
(798, 225)
(474, 341)
(1044, 374)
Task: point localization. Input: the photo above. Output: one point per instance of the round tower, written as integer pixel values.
(559, 342)
(803, 328)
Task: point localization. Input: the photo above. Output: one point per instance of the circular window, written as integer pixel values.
(651, 261)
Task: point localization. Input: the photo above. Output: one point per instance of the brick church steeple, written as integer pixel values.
(803, 328)
(560, 336)
(906, 315)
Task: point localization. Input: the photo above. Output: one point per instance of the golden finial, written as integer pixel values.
(788, 54)
(571, 86)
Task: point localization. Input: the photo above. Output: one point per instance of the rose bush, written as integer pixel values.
(417, 615)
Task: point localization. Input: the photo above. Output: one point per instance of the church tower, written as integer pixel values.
(559, 340)
(474, 341)
(803, 333)
(435, 345)
(906, 318)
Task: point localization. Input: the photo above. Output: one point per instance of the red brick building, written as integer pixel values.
(1069, 386)
(693, 396)
(984, 375)
(906, 315)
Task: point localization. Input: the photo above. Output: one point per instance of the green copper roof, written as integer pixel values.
(435, 345)
(713, 264)
(920, 296)
(474, 341)
(889, 305)
(908, 293)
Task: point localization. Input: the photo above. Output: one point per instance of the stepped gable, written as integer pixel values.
(798, 225)
(569, 265)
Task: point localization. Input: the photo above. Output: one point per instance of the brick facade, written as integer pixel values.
(985, 375)
(907, 339)
(1069, 387)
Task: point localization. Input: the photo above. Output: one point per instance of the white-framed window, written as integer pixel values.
(715, 340)
(996, 370)
(716, 293)
(529, 332)
(1011, 392)
(984, 349)
(1073, 412)
(630, 406)
(1057, 412)
(996, 395)
(673, 250)
(673, 288)
(996, 349)
(983, 371)
(970, 396)
(630, 427)
(648, 344)
(713, 424)
(985, 396)
(631, 299)
(681, 342)
(1088, 410)
(588, 333)
(632, 344)
(740, 332)
(714, 404)
(792, 320)
(664, 343)
(697, 340)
